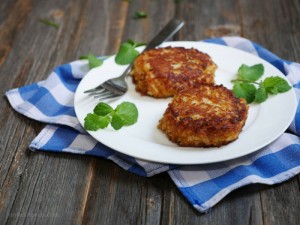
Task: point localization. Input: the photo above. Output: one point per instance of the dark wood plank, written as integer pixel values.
(281, 203)
(45, 188)
(205, 19)
(117, 195)
(49, 188)
(275, 25)
(143, 30)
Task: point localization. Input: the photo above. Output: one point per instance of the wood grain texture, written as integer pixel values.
(207, 19)
(52, 188)
(274, 25)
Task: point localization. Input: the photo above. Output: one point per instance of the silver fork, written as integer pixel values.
(116, 87)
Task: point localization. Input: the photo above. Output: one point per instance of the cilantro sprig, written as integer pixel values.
(93, 60)
(125, 114)
(127, 52)
(246, 85)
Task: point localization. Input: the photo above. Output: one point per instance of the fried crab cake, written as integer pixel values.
(161, 72)
(208, 116)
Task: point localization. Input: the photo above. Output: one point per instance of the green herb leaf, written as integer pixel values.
(135, 44)
(250, 73)
(103, 109)
(140, 15)
(83, 57)
(49, 23)
(244, 90)
(125, 114)
(117, 122)
(104, 121)
(261, 94)
(272, 90)
(93, 60)
(126, 54)
(128, 112)
(276, 85)
(130, 41)
(94, 122)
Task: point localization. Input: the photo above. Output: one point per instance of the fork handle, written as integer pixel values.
(167, 32)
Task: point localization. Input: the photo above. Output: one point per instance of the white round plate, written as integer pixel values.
(145, 141)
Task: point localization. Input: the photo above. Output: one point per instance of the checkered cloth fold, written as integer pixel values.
(51, 102)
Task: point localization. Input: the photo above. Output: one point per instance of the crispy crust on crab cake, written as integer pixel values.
(161, 72)
(208, 116)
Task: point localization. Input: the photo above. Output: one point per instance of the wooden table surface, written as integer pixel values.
(48, 188)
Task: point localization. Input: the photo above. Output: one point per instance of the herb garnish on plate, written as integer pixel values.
(246, 85)
(127, 52)
(93, 60)
(125, 114)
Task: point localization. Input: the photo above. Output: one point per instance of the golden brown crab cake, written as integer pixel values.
(162, 72)
(208, 116)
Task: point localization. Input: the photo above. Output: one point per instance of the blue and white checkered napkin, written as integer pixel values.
(51, 101)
